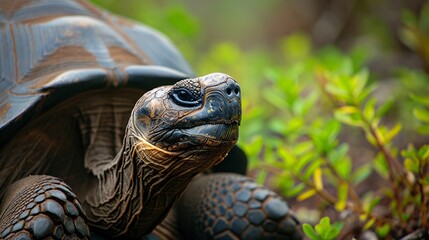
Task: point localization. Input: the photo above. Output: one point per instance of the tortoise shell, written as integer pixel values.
(53, 50)
(64, 65)
(60, 61)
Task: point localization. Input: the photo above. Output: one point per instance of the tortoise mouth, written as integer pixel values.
(225, 131)
(201, 137)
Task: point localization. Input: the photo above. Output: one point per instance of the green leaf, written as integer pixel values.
(361, 173)
(369, 109)
(295, 190)
(409, 18)
(338, 154)
(424, 152)
(327, 231)
(369, 223)
(302, 162)
(424, 130)
(261, 177)
(382, 231)
(342, 196)
(373, 203)
(421, 114)
(302, 147)
(366, 92)
(323, 226)
(288, 159)
(275, 98)
(338, 92)
(311, 168)
(420, 99)
(409, 37)
(393, 132)
(306, 195)
(309, 102)
(344, 168)
(411, 165)
(381, 166)
(332, 233)
(309, 232)
(361, 79)
(347, 118)
(384, 108)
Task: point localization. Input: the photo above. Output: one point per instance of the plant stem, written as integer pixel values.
(396, 172)
(396, 168)
(423, 197)
(351, 190)
(323, 194)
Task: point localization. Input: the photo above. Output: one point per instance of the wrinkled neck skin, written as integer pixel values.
(134, 193)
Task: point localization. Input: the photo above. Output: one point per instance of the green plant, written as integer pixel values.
(324, 230)
(308, 159)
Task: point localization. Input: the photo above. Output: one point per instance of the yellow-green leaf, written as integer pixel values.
(336, 91)
(393, 132)
(382, 231)
(317, 177)
(342, 196)
(369, 109)
(361, 173)
(380, 136)
(349, 118)
(306, 194)
(410, 165)
(361, 79)
(369, 224)
(347, 109)
(420, 99)
(421, 114)
(309, 231)
(425, 154)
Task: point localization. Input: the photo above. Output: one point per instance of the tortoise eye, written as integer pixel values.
(183, 97)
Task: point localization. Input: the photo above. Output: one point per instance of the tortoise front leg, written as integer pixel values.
(39, 207)
(232, 206)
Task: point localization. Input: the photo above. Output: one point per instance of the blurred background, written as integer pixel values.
(285, 53)
(249, 38)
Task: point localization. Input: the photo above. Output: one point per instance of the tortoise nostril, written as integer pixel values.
(231, 89)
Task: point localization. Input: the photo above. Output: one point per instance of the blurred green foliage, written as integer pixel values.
(323, 230)
(345, 128)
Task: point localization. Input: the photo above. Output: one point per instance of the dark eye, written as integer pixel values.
(183, 97)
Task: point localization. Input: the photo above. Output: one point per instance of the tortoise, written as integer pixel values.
(105, 132)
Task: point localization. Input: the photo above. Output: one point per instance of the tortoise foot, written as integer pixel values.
(39, 207)
(231, 206)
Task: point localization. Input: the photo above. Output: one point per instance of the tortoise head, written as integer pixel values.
(190, 126)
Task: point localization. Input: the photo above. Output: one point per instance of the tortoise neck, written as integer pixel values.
(131, 195)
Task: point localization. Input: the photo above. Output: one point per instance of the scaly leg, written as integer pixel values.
(39, 207)
(231, 206)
